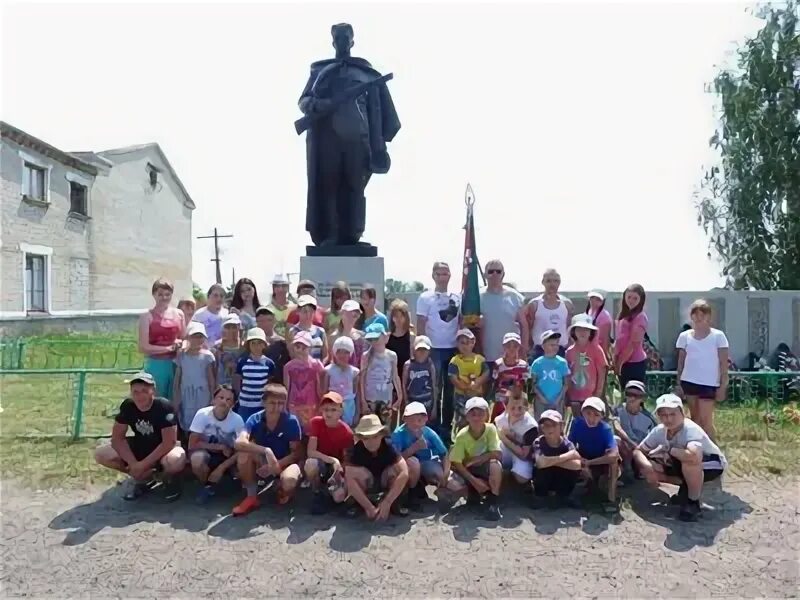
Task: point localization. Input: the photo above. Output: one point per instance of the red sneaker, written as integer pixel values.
(249, 504)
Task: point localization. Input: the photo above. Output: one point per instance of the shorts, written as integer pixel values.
(211, 458)
(712, 468)
(349, 410)
(704, 392)
(539, 407)
(163, 372)
(247, 411)
(430, 470)
(141, 450)
(519, 466)
(633, 371)
(481, 472)
(459, 411)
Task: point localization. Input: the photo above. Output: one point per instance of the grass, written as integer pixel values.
(108, 351)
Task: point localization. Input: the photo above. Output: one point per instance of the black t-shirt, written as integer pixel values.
(147, 425)
(278, 352)
(374, 463)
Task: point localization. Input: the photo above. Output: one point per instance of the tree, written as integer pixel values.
(394, 287)
(199, 295)
(749, 202)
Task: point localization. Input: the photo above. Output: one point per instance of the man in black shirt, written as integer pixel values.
(277, 351)
(375, 465)
(153, 445)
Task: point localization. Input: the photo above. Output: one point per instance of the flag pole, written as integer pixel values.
(470, 286)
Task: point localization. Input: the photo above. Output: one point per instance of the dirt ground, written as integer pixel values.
(69, 544)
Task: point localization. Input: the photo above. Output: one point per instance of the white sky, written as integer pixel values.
(583, 128)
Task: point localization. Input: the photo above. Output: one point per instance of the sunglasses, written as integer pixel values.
(494, 271)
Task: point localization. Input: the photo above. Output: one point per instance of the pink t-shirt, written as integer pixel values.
(625, 329)
(603, 324)
(587, 364)
(303, 390)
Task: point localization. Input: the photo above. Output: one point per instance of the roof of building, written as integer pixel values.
(28, 141)
(82, 161)
(151, 146)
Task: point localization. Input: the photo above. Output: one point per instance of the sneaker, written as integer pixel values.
(398, 509)
(569, 502)
(136, 489)
(493, 512)
(319, 504)
(248, 505)
(690, 511)
(172, 490)
(419, 491)
(205, 494)
(413, 502)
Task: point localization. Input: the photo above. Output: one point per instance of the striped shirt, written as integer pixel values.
(255, 374)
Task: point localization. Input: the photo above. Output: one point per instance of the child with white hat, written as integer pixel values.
(678, 451)
(587, 363)
(342, 377)
(194, 378)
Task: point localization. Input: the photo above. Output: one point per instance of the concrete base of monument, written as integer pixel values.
(360, 249)
(356, 271)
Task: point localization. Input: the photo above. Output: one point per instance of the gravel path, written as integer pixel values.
(67, 544)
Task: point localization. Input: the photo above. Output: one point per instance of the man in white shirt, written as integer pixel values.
(438, 317)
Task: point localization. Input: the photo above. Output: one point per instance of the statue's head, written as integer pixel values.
(342, 34)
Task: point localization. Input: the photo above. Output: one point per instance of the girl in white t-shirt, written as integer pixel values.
(703, 366)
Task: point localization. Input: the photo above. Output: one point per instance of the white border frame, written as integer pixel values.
(47, 252)
(42, 164)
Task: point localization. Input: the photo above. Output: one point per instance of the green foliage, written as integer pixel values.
(750, 200)
(396, 286)
(198, 294)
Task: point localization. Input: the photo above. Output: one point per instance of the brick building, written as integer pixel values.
(84, 234)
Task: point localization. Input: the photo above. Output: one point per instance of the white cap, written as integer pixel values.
(196, 328)
(349, 305)
(415, 408)
(582, 320)
(636, 385)
(511, 336)
(595, 403)
(256, 333)
(551, 415)
(232, 319)
(465, 333)
(306, 300)
(476, 402)
(596, 294)
(302, 337)
(280, 279)
(422, 341)
(549, 334)
(344, 342)
(669, 401)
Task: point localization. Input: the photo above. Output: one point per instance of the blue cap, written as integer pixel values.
(374, 331)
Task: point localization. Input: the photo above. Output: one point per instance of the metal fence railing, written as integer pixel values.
(69, 353)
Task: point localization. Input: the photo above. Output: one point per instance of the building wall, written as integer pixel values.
(753, 321)
(139, 234)
(22, 225)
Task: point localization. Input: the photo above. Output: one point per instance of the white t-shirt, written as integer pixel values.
(216, 431)
(702, 357)
(690, 432)
(441, 309)
(520, 428)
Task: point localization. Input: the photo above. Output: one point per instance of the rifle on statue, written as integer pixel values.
(347, 95)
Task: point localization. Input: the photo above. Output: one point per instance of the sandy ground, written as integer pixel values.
(68, 544)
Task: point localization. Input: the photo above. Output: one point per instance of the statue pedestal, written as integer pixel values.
(356, 271)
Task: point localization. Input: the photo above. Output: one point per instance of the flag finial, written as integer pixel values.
(469, 196)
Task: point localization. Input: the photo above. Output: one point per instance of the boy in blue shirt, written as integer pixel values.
(423, 451)
(549, 373)
(597, 446)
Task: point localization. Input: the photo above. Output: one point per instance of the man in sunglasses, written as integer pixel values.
(501, 311)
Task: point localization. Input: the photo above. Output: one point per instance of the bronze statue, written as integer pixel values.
(349, 116)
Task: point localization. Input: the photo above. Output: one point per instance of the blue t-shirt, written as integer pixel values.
(549, 372)
(255, 375)
(286, 431)
(403, 439)
(592, 442)
(378, 317)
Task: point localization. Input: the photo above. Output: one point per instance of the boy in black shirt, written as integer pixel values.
(277, 350)
(153, 445)
(374, 463)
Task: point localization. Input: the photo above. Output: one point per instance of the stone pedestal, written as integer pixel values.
(357, 271)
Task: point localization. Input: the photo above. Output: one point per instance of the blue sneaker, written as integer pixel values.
(205, 494)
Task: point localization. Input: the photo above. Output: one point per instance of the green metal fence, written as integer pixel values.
(69, 353)
(81, 402)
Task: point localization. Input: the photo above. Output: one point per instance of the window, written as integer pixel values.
(34, 178)
(77, 198)
(35, 282)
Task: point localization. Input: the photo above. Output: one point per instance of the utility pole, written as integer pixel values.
(216, 237)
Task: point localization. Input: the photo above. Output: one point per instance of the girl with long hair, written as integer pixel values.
(630, 358)
(245, 302)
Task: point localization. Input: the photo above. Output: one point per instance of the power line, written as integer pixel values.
(216, 237)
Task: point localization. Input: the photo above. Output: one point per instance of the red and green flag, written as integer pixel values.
(470, 286)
